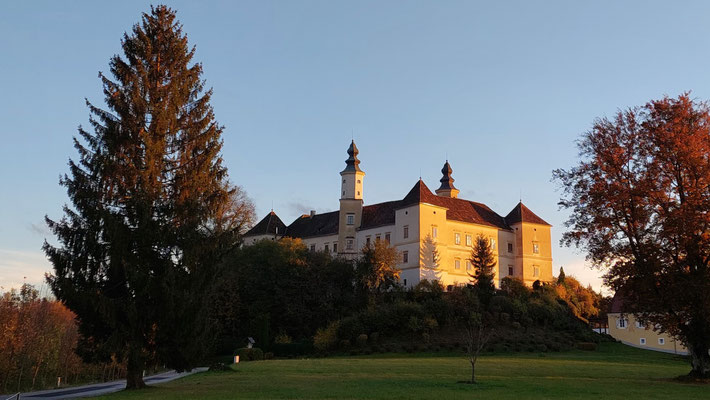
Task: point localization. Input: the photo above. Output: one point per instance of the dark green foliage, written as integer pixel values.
(561, 277)
(150, 215)
(483, 262)
(247, 354)
(280, 287)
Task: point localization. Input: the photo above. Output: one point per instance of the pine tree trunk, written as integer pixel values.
(134, 368)
(700, 361)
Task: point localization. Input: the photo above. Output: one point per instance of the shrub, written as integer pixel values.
(268, 356)
(361, 340)
(292, 349)
(283, 338)
(247, 354)
(588, 346)
(326, 338)
(374, 337)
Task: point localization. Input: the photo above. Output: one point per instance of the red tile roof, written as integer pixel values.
(384, 214)
(523, 214)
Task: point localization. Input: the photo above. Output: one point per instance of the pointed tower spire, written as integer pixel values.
(352, 163)
(447, 188)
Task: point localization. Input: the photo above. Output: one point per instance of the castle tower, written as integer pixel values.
(447, 188)
(350, 203)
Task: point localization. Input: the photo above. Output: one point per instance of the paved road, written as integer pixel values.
(100, 388)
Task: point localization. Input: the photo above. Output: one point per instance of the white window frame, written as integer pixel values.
(492, 243)
(350, 219)
(457, 264)
(405, 232)
(536, 271)
(640, 325)
(434, 232)
(661, 341)
(469, 240)
(536, 248)
(457, 238)
(621, 323)
(349, 244)
(469, 266)
(642, 341)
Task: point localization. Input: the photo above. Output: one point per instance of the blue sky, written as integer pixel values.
(502, 88)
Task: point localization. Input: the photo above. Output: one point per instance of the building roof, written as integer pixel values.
(458, 209)
(271, 224)
(447, 181)
(523, 214)
(352, 163)
(314, 225)
(381, 214)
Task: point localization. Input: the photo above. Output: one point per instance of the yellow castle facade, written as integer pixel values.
(433, 232)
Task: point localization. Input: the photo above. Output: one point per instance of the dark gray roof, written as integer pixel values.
(271, 224)
(352, 163)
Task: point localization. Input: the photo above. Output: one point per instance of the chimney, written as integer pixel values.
(313, 213)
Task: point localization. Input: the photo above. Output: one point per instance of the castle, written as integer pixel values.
(433, 233)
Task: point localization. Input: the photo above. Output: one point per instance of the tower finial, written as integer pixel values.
(352, 163)
(447, 188)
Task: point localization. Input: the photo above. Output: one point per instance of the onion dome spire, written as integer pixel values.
(352, 163)
(447, 188)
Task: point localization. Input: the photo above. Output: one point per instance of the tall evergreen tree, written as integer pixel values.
(483, 262)
(149, 220)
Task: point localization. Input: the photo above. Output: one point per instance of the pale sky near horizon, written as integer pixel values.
(502, 88)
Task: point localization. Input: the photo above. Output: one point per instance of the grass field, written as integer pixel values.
(614, 371)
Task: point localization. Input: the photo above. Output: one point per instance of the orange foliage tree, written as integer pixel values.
(640, 205)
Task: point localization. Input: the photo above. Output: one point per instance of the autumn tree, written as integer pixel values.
(640, 206)
(376, 269)
(483, 263)
(152, 209)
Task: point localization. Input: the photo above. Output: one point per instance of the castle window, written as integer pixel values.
(433, 232)
(457, 237)
(325, 247)
(642, 341)
(367, 241)
(621, 323)
(536, 248)
(405, 281)
(468, 265)
(387, 237)
(661, 341)
(510, 270)
(349, 244)
(457, 264)
(493, 244)
(358, 192)
(358, 181)
(510, 247)
(335, 247)
(469, 242)
(377, 238)
(405, 257)
(313, 247)
(640, 325)
(406, 231)
(536, 271)
(351, 219)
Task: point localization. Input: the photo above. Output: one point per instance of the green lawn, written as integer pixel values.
(613, 372)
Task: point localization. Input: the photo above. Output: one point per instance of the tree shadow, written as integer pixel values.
(429, 260)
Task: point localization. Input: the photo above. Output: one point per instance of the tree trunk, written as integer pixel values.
(700, 361)
(134, 368)
(473, 371)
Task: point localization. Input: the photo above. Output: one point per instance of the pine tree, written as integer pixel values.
(561, 277)
(149, 222)
(483, 262)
